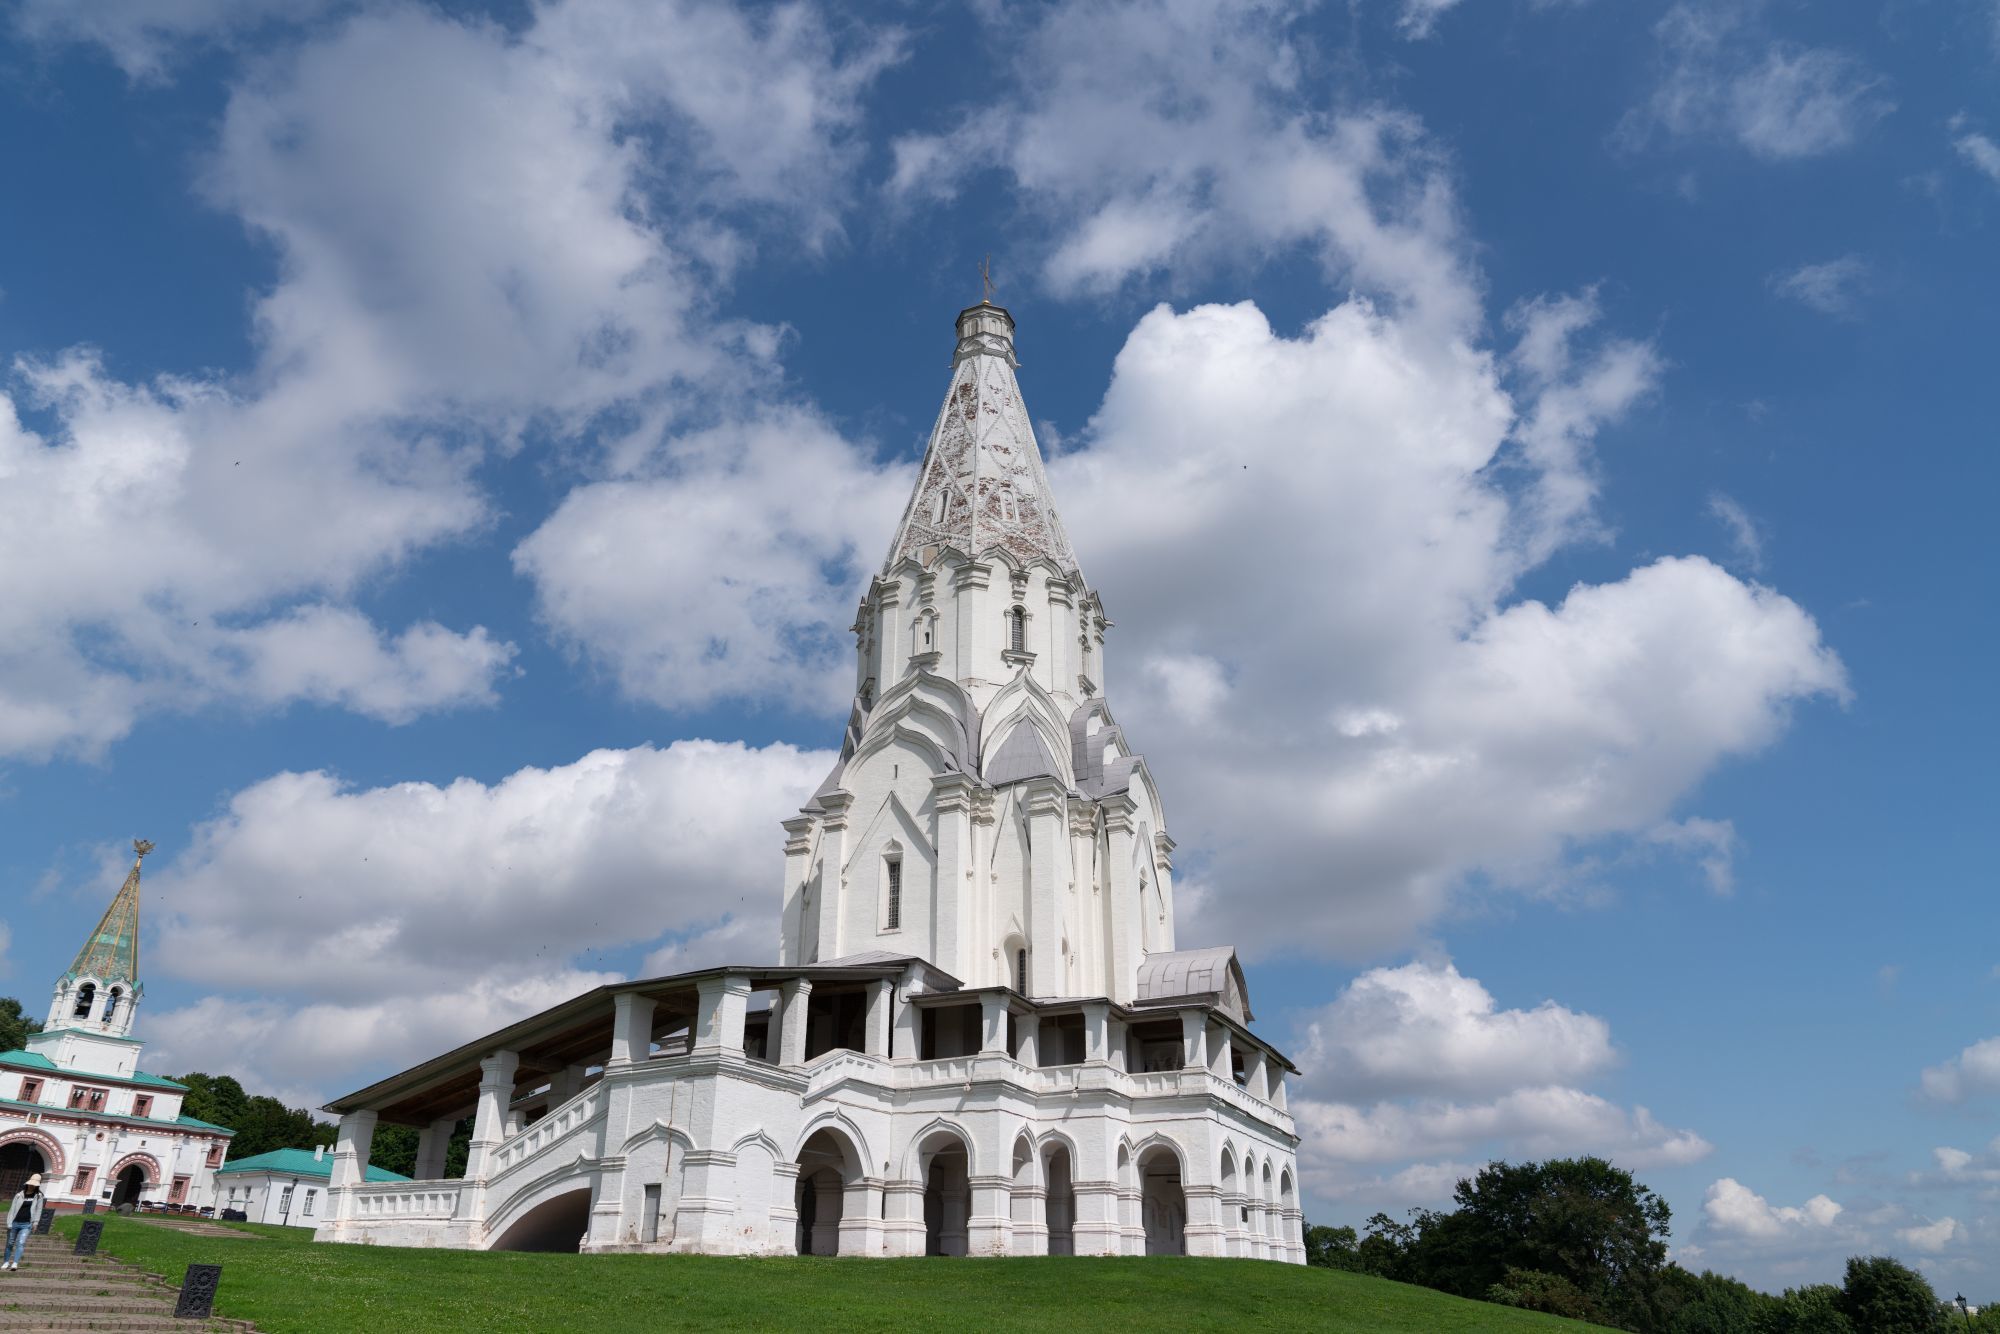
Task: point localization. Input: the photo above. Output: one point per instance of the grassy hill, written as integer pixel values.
(278, 1278)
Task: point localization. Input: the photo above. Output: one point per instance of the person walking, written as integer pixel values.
(22, 1215)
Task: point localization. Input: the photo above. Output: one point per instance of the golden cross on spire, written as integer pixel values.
(986, 280)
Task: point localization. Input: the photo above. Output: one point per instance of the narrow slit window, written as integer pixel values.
(1021, 971)
(894, 916)
(1017, 630)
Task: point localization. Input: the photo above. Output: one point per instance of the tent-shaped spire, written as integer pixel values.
(982, 485)
(111, 954)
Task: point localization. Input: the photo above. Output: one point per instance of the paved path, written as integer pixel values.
(55, 1289)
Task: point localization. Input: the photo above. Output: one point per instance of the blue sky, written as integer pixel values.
(1537, 455)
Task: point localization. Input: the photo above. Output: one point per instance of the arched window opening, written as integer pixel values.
(942, 505)
(892, 912)
(1021, 971)
(86, 996)
(1017, 630)
(111, 1002)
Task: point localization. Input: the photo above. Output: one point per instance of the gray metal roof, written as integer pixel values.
(1021, 756)
(1213, 971)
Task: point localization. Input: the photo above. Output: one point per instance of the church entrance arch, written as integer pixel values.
(828, 1164)
(19, 1161)
(944, 1161)
(129, 1184)
(1162, 1202)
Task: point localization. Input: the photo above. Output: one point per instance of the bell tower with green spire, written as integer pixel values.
(100, 992)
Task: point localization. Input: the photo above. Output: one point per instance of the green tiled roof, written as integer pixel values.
(144, 1122)
(111, 954)
(300, 1163)
(34, 1060)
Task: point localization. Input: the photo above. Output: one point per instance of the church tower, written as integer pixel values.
(100, 991)
(986, 813)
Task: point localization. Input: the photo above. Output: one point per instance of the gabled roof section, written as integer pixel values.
(299, 1163)
(982, 485)
(111, 954)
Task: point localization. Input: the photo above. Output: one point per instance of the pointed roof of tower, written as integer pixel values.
(111, 954)
(982, 484)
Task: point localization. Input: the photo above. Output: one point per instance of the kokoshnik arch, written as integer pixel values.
(980, 1036)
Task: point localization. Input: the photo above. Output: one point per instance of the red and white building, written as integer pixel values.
(76, 1107)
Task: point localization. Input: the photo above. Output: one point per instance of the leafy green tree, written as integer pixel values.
(1814, 1309)
(395, 1150)
(261, 1123)
(1329, 1247)
(14, 1025)
(1883, 1295)
(1707, 1303)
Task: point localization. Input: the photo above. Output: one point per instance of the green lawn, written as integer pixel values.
(289, 1285)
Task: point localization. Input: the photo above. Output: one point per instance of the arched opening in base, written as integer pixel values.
(557, 1225)
(1061, 1205)
(827, 1163)
(130, 1183)
(1162, 1203)
(18, 1162)
(947, 1193)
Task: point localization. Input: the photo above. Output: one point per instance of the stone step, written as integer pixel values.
(142, 1303)
(161, 1323)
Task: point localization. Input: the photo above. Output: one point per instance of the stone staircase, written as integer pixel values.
(55, 1289)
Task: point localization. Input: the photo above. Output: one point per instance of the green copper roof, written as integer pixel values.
(112, 952)
(300, 1163)
(34, 1060)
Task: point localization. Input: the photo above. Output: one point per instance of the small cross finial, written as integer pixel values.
(986, 279)
(141, 846)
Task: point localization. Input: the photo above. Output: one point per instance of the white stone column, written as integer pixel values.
(798, 869)
(1028, 1049)
(861, 1217)
(794, 999)
(951, 798)
(496, 1090)
(990, 1225)
(350, 1161)
(1254, 1080)
(433, 1145)
(1220, 1058)
(881, 997)
(1118, 1039)
(1277, 1078)
(909, 1020)
(1097, 1230)
(631, 1030)
(903, 1230)
(1048, 880)
(1194, 1040)
(1096, 1031)
(721, 1006)
(832, 887)
(1124, 913)
(993, 1022)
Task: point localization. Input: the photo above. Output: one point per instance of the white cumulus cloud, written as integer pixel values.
(1732, 1207)
(1974, 1072)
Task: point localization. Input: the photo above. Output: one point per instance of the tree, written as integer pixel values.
(395, 1150)
(1883, 1295)
(261, 1123)
(14, 1025)
(1333, 1247)
(1814, 1309)
(1707, 1303)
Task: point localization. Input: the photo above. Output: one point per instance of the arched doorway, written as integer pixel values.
(128, 1186)
(946, 1165)
(1061, 1205)
(18, 1162)
(1162, 1203)
(828, 1164)
(556, 1225)
(1235, 1213)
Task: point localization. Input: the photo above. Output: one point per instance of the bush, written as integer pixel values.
(1533, 1290)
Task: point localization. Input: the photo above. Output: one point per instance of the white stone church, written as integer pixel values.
(981, 1036)
(76, 1107)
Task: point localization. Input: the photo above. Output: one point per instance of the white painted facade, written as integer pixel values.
(74, 1104)
(980, 1036)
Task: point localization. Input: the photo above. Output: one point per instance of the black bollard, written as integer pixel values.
(198, 1292)
(87, 1235)
(48, 1217)
(90, 1206)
